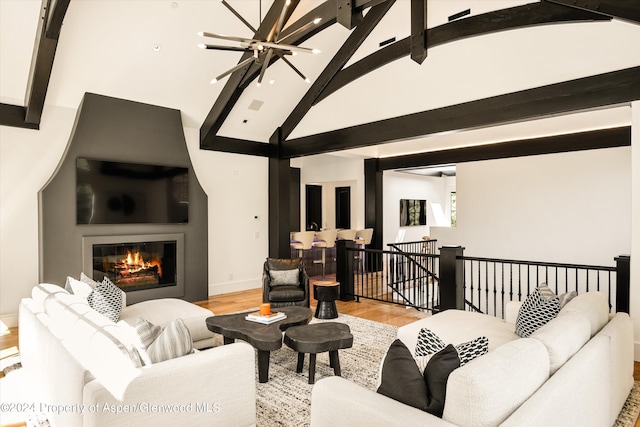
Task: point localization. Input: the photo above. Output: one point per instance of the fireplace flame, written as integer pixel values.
(134, 263)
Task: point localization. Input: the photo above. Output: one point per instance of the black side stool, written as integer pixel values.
(326, 295)
(318, 338)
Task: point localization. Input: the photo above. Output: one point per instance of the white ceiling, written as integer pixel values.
(107, 47)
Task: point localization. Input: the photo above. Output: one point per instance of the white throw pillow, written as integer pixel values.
(82, 288)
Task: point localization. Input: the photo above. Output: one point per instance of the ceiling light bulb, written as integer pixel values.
(317, 20)
(316, 51)
(271, 81)
(213, 81)
(288, 2)
(307, 80)
(294, 53)
(201, 33)
(202, 46)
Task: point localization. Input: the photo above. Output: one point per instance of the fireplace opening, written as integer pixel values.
(136, 266)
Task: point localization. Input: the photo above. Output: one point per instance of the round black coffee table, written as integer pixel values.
(318, 338)
(263, 338)
(326, 296)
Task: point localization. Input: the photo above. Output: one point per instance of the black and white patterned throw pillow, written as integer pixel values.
(106, 299)
(429, 343)
(537, 310)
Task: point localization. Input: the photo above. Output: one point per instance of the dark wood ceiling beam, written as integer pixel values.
(13, 115)
(500, 20)
(628, 10)
(607, 89)
(58, 10)
(591, 140)
(237, 82)
(51, 16)
(347, 15)
(346, 51)
(239, 146)
(418, 30)
(232, 91)
(325, 12)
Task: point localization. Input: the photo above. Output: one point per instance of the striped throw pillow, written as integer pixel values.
(157, 344)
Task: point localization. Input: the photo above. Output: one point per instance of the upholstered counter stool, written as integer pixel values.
(326, 295)
(324, 240)
(318, 338)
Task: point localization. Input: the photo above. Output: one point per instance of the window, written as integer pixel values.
(453, 208)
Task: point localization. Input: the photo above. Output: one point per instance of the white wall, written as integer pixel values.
(331, 172)
(238, 193)
(635, 225)
(570, 207)
(28, 158)
(398, 185)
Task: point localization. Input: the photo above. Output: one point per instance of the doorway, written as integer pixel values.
(343, 207)
(313, 210)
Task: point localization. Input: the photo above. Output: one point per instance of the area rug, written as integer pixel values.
(286, 399)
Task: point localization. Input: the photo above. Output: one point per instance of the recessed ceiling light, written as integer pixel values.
(157, 47)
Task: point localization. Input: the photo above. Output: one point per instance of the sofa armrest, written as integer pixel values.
(210, 387)
(336, 401)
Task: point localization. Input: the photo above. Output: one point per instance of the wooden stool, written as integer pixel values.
(318, 338)
(326, 295)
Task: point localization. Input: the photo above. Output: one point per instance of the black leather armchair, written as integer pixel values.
(285, 283)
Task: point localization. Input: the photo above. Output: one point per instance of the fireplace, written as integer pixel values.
(136, 262)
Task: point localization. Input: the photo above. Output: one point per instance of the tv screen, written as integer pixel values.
(413, 212)
(130, 193)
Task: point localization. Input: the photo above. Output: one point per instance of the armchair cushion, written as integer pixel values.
(284, 293)
(285, 277)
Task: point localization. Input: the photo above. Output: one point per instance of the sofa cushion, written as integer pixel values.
(429, 343)
(447, 326)
(563, 337)
(541, 306)
(42, 291)
(105, 298)
(164, 310)
(593, 305)
(157, 344)
(487, 390)
(285, 277)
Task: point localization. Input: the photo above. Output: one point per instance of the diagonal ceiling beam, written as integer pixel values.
(237, 82)
(232, 90)
(52, 14)
(354, 41)
(486, 23)
(617, 87)
(628, 10)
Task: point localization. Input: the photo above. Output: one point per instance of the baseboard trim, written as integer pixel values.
(9, 320)
(225, 288)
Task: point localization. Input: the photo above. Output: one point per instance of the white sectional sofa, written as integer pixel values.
(84, 372)
(577, 370)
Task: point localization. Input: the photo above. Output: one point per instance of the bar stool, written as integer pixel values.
(346, 234)
(363, 238)
(302, 241)
(324, 240)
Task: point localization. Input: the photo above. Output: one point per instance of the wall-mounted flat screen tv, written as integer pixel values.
(413, 212)
(110, 192)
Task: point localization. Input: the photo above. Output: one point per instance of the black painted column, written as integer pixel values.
(373, 208)
(623, 283)
(451, 278)
(279, 202)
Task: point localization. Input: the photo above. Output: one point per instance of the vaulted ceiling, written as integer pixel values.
(503, 63)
